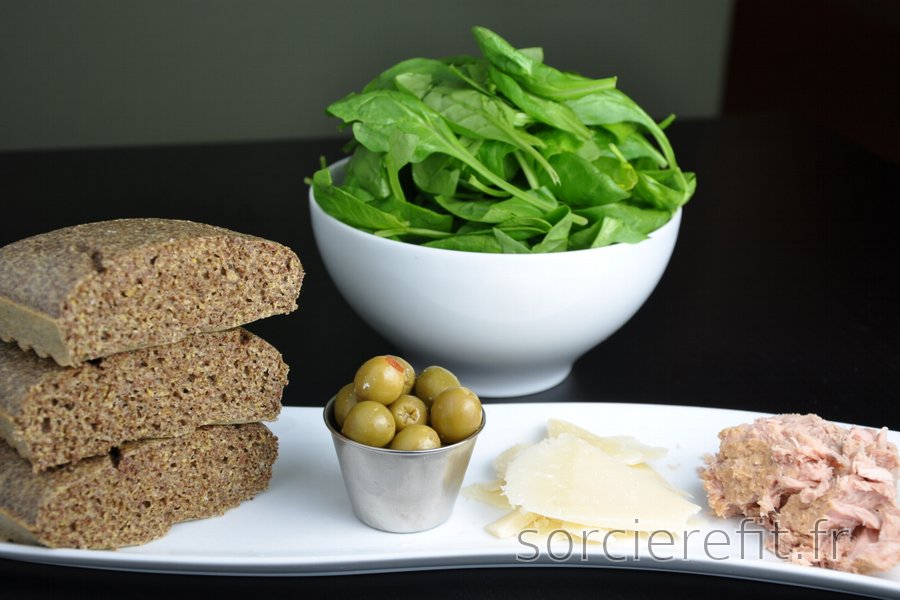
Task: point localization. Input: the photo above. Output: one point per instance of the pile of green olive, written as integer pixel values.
(388, 405)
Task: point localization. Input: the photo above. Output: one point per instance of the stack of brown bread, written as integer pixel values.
(141, 403)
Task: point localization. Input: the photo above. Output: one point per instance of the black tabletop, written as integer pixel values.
(782, 296)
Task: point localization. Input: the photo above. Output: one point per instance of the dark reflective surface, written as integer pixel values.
(781, 296)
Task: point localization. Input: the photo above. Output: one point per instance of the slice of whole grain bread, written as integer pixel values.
(96, 289)
(136, 493)
(54, 415)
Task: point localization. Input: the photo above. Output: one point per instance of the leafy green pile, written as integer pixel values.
(502, 154)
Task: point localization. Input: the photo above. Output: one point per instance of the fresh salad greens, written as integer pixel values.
(502, 153)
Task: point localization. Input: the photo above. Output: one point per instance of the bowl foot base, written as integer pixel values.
(504, 381)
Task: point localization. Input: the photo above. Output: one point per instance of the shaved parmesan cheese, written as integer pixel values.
(569, 479)
(624, 448)
(502, 461)
(511, 523)
(590, 486)
(489, 493)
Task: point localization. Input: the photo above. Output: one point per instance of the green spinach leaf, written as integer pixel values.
(502, 153)
(533, 75)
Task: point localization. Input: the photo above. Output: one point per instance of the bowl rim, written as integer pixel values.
(673, 223)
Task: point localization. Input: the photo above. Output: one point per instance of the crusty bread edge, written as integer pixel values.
(33, 330)
(13, 531)
(8, 433)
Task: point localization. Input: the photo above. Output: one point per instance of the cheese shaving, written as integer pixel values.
(576, 481)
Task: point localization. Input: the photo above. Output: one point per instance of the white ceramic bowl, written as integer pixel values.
(505, 324)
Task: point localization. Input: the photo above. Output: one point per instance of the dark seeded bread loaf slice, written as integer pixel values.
(54, 415)
(135, 494)
(93, 290)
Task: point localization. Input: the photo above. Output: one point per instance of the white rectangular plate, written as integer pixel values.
(303, 524)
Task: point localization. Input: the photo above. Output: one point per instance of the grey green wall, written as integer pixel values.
(113, 72)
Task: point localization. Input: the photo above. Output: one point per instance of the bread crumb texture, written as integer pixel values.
(93, 290)
(54, 415)
(137, 492)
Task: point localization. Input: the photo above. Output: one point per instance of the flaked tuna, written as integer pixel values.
(827, 494)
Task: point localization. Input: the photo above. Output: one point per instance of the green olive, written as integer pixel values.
(416, 437)
(409, 374)
(456, 414)
(380, 379)
(432, 381)
(409, 410)
(370, 423)
(344, 400)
